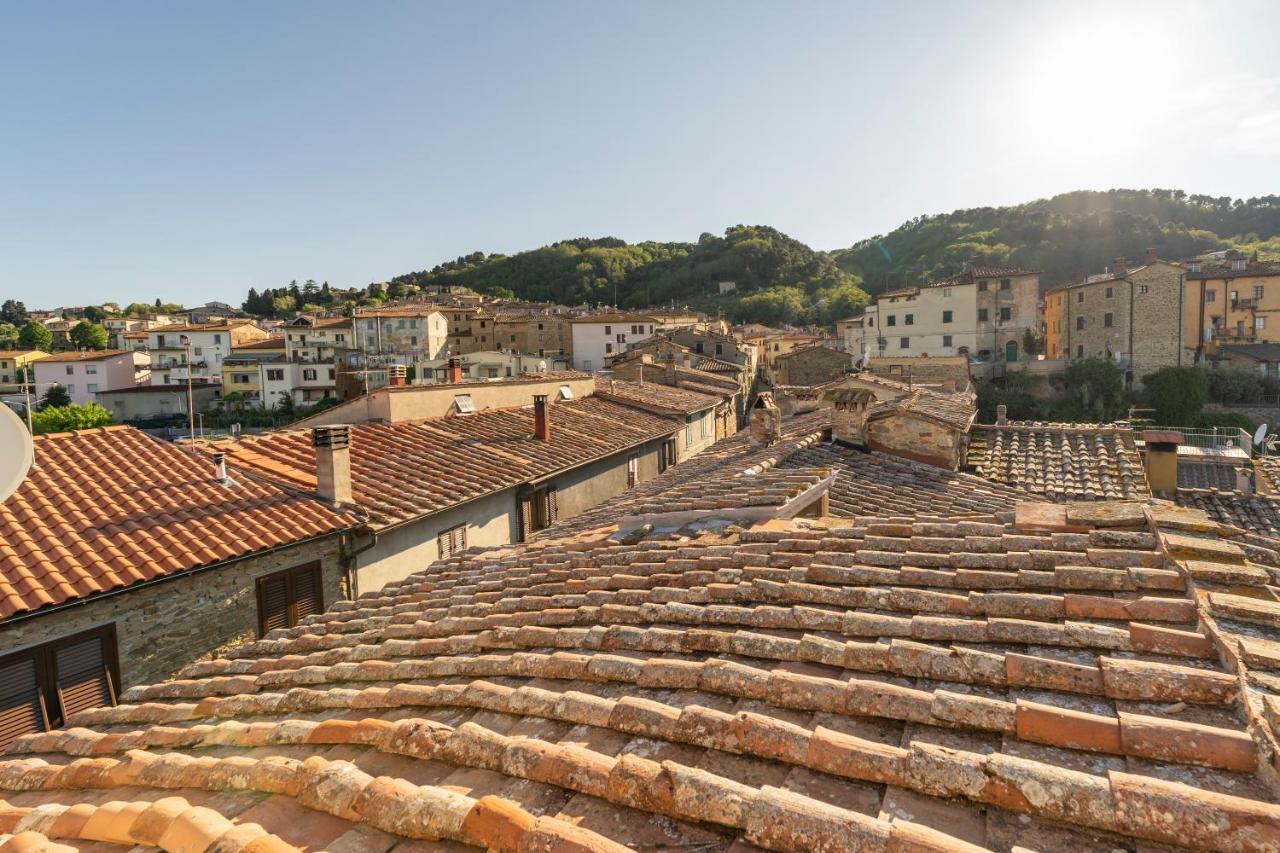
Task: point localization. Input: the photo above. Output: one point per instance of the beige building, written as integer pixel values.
(206, 345)
(403, 335)
(1235, 301)
(533, 334)
(12, 365)
(1131, 316)
(244, 372)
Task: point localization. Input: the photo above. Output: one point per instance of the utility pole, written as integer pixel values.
(191, 410)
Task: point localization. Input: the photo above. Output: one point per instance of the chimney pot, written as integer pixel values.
(220, 464)
(541, 418)
(333, 463)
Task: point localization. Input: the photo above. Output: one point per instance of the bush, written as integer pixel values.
(1229, 385)
(1177, 394)
(1093, 392)
(1209, 420)
(1015, 392)
(64, 418)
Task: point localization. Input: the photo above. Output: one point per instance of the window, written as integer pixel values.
(40, 687)
(92, 387)
(71, 389)
(240, 378)
(309, 375)
(1080, 351)
(1259, 322)
(339, 338)
(1257, 291)
(331, 373)
(413, 340)
(946, 291)
(608, 330)
(946, 316)
(719, 349)
(982, 287)
(633, 470)
(982, 315)
(893, 319)
(217, 339)
(1006, 314)
(1079, 296)
(1079, 324)
(904, 343)
(1005, 284)
(275, 375)
(91, 369)
(452, 541)
(946, 340)
(537, 509)
(197, 351)
(688, 435)
(667, 456)
(286, 598)
(608, 348)
(70, 370)
(1211, 296)
(1109, 292)
(1235, 296)
(1107, 320)
(909, 320)
(1142, 288)
(539, 327)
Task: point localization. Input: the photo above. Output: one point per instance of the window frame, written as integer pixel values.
(291, 602)
(44, 658)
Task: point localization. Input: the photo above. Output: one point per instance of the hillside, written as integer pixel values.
(778, 279)
(1069, 233)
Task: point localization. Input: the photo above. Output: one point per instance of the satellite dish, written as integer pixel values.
(1259, 434)
(16, 452)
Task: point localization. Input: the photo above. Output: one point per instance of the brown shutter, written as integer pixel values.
(524, 516)
(21, 709)
(273, 604)
(308, 597)
(82, 676)
(553, 508)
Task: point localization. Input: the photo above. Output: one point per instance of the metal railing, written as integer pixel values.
(1209, 438)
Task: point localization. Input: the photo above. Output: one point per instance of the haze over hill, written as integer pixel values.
(779, 279)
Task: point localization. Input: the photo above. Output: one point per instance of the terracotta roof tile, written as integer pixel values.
(1060, 461)
(108, 507)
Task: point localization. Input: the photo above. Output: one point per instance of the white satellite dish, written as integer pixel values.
(1259, 434)
(16, 452)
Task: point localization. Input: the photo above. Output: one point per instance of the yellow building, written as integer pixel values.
(242, 370)
(1235, 301)
(13, 362)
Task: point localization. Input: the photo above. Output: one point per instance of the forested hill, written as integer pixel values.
(1069, 233)
(777, 279)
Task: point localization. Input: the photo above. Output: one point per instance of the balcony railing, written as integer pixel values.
(1215, 438)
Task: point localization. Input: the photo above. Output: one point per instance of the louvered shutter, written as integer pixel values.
(444, 544)
(21, 711)
(273, 604)
(82, 677)
(553, 509)
(308, 597)
(524, 516)
(459, 539)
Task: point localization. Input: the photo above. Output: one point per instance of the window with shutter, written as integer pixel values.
(452, 541)
(42, 686)
(553, 507)
(286, 598)
(83, 678)
(524, 516)
(22, 709)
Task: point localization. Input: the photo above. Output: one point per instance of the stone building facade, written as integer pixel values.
(812, 365)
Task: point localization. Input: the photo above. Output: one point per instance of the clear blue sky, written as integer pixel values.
(191, 150)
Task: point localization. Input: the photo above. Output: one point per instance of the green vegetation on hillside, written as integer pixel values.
(778, 279)
(1069, 233)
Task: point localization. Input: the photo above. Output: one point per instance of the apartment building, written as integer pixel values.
(1234, 301)
(196, 347)
(534, 334)
(859, 335)
(402, 335)
(314, 347)
(597, 337)
(88, 372)
(245, 371)
(1131, 316)
(983, 312)
(13, 364)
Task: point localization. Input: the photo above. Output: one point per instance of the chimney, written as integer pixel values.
(396, 374)
(671, 370)
(766, 420)
(220, 466)
(333, 463)
(849, 417)
(455, 370)
(1162, 460)
(1079, 277)
(1150, 257)
(1244, 480)
(1002, 414)
(1120, 267)
(541, 418)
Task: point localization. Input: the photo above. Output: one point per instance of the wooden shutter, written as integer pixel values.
(458, 538)
(553, 508)
(307, 594)
(444, 544)
(22, 709)
(273, 603)
(82, 676)
(524, 516)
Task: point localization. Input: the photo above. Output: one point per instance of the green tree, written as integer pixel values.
(8, 336)
(94, 314)
(1177, 394)
(88, 336)
(69, 417)
(1094, 391)
(283, 305)
(14, 312)
(56, 397)
(33, 335)
(1031, 343)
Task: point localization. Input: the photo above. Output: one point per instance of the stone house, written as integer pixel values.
(924, 426)
(812, 365)
(541, 334)
(172, 559)
(1131, 316)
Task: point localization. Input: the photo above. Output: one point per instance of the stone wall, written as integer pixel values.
(916, 438)
(162, 627)
(813, 366)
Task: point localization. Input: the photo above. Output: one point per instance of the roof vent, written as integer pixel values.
(464, 403)
(566, 393)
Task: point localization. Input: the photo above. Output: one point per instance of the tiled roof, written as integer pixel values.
(324, 323)
(276, 342)
(711, 364)
(1060, 461)
(1209, 271)
(880, 684)
(83, 355)
(1256, 513)
(1257, 352)
(1206, 475)
(614, 318)
(215, 326)
(652, 395)
(953, 410)
(404, 470)
(109, 507)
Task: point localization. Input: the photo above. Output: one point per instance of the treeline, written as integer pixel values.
(777, 279)
(1069, 233)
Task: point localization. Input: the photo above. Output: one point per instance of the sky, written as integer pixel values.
(189, 151)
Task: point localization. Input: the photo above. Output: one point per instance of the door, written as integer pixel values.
(1011, 351)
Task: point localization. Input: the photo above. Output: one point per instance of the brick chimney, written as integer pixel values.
(1079, 277)
(1244, 481)
(333, 463)
(1162, 460)
(766, 420)
(396, 375)
(849, 417)
(455, 370)
(541, 418)
(671, 370)
(1120, 267)
(1150, 257)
